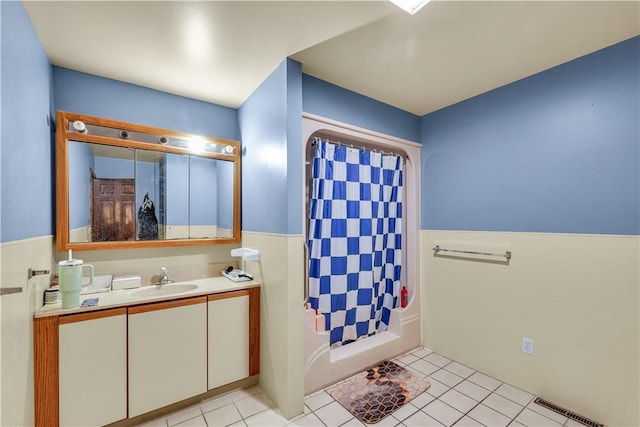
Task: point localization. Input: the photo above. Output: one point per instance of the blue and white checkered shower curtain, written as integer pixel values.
(355, 239)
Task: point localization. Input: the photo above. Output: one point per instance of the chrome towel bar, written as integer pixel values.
(437, 249)
(12, 290)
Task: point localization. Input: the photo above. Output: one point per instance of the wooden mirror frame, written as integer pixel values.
(64, 136)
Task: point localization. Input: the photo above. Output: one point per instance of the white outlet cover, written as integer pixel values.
(527, 346)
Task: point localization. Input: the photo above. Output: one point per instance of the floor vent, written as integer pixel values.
(571, 415)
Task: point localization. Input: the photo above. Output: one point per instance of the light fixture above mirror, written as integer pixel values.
(197, 144)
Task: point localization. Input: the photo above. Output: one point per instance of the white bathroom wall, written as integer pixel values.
(280, 273)
(16, 313)
(575, 295)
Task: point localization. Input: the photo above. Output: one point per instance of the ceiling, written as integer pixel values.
(220, 51)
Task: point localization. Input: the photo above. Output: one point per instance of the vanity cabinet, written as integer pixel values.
(112, 364)
(93, 368)
(167, 353)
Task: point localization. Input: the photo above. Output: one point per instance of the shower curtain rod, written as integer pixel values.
(317, 139)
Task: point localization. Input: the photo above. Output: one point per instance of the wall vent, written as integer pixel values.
(570, 414)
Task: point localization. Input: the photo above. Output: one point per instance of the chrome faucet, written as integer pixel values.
(163, 279)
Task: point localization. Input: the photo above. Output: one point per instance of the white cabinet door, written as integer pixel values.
(167, 353)
(228, 338)
(93, 368)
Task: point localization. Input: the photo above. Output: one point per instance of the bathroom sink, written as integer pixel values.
(163, 290)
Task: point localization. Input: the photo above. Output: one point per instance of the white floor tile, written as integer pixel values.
(215, 403)
(472, 390)
(183, 415)
(333, 414)
(485, 381)
(442, 412)
(407, 359)
(405, 411)
(437, 360)
(309, 420)
(533, 419)
(515, 394)
(318, 400)
(420, 419)
(194, 422)
(458, 400)
(447, 378)
(353, 422)
(502, 405)
(421, 400)
(455, 390)
(437, 388)
(488, 416)
(223, 416)
(388, 421)
(422, 352)
(244, 392)
(252, 405)
(423, 366)
(459, 369)
(467, 422)
(268, 418)
(547, 413)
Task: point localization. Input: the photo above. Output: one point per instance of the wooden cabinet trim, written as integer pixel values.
(46, 371)
(163, 305)
(91, 315)
(230, 294)
(254, 331)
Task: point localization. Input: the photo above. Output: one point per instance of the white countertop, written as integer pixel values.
(127, 297)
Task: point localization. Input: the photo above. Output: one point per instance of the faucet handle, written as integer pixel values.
(163, 278)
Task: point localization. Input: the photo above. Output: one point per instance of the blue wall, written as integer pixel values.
(265, 165)
(333, 102)
(225, 194)
(295, 148)
(203, 176)
(98, 96)
(555, 152)
(81, 160)
(26, 143)
(177, 189)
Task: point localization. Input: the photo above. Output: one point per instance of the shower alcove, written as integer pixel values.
(325, 365)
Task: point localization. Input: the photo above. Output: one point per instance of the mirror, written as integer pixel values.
(122, 185)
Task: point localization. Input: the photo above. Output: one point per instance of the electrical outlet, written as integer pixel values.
(527, 346)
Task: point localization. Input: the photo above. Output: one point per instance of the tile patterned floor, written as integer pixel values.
(458, 396)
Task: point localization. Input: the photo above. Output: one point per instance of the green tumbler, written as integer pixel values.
(70, 278)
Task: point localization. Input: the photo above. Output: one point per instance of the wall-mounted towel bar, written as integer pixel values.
(32, 272)
(437, 249)
(12, 290)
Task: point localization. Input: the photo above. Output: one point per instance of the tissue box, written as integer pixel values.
(101, 283)
(126, 282)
